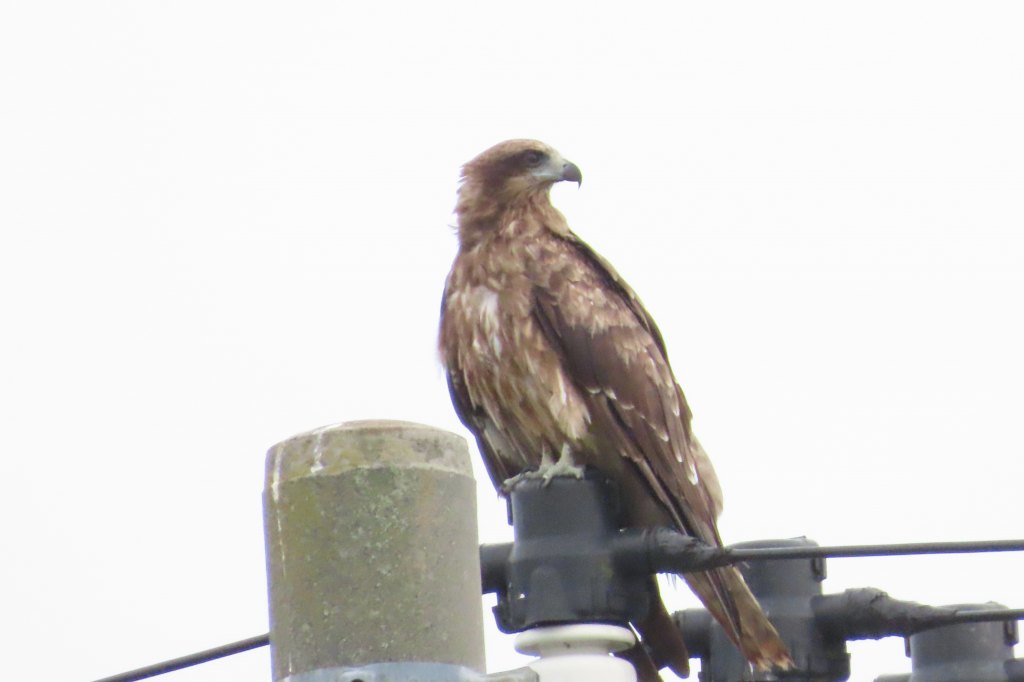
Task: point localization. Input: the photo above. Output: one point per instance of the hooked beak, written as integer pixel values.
(571, 172)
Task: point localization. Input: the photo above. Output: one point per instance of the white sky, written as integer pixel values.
(226, 222)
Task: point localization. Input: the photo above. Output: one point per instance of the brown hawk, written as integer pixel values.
(554, 364)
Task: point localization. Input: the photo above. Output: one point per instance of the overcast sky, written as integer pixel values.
(227, 222)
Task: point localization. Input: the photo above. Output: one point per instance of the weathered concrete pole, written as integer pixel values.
(372, 554)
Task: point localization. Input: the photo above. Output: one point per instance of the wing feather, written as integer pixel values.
(492, 442)
(616, 355)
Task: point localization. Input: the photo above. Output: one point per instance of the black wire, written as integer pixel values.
(190, 660)
(721, 556)
(846, 551)
(987, 616)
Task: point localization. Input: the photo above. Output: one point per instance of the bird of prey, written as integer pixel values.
(554, 364)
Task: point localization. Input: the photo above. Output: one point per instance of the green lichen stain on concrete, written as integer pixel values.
(381, 560)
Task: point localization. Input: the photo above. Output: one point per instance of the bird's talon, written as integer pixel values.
(509, 483)
(563, 467)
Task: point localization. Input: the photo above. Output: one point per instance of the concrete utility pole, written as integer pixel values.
(372, 555)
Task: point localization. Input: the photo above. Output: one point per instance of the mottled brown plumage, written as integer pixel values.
(551, 357)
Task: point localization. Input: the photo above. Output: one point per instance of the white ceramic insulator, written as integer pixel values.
(569, 653)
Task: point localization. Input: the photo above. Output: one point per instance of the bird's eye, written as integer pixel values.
(533, 157)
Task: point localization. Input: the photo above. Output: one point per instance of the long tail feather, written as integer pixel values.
(726, 595)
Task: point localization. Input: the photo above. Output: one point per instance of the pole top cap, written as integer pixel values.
(338, 448)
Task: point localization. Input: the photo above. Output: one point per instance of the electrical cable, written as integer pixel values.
(850, 551)
(721, 556)
(190, 660)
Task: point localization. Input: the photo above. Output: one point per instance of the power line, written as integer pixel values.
(851, 551)
(707, 555)
(190, 660)
(987, 616)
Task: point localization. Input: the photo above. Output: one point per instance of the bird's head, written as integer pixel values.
(515, 168)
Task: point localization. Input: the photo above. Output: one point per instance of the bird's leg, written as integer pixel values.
(509, 483)
(565, 466)
(548, 469)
